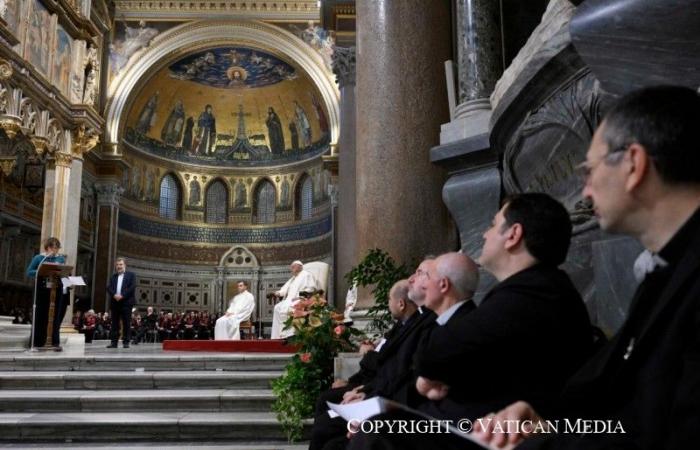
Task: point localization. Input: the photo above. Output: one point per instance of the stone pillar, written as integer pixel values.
(479, 65)
(108, 195)
(47, 211)
(70, 245)
(401, 102)
(56, 188)
(346, 237)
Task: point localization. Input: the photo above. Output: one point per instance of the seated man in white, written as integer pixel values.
(239, 310)
(301, 281)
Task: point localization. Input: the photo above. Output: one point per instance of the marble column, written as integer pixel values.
(479, 66)
(346, 237)
(108, 195)
(56, 189)
(72, 220)
(401, 102)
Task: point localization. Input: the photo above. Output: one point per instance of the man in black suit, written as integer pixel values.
(462, 364)
(121, 289)
(641, 172)
(386, 371)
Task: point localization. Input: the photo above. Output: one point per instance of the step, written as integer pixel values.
(135, 426)
(126, 380)
(212, 400)
(121, 360)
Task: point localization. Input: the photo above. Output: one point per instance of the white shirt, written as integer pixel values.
(120, 278)
(447, 315)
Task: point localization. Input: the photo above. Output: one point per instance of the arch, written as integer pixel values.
(216, 202)
(170, 198)
(303, 197)
(264, 202)
(200, 35)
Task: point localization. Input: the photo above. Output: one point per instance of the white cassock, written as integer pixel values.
(303, 281)
(240, 309)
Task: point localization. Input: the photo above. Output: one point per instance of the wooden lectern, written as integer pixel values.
(53, 273)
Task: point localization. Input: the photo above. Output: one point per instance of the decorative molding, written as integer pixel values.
(344, 63)
(171, 44)
(199, 9)
(169, 230)
(5, 69)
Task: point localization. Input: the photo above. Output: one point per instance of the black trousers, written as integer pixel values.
(326, 429)
(121, 312)
(41, 316)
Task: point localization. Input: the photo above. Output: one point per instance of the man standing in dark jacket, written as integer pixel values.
(121, 289)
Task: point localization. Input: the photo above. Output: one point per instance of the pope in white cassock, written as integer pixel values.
(301, 281)
(239, 310)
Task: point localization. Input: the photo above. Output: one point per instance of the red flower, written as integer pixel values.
(339, 330)
(305, 357)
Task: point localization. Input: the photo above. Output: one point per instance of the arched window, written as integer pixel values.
(169, 207)
(264, 211)
(217, 203)
(304, 197)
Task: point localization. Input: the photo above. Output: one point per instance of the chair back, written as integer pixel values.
(321, 272)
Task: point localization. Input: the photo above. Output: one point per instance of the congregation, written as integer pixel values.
(527, 358)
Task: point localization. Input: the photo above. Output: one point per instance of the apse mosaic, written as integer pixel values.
(230, 106)
(232, 68)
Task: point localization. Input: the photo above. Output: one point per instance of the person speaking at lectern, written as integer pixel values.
(43, 286)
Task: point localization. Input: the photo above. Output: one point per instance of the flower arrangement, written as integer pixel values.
(319, 336)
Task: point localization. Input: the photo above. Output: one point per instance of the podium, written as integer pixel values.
(51, 274)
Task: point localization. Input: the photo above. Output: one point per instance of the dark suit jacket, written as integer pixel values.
(128, 289)
(370, 362)
(396, 377)
(529, 334)
(655, 391)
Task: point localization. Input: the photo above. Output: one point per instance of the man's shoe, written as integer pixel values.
(112, 346)
(57, 348)
(126, 345)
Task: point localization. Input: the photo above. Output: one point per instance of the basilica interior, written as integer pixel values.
(209, 143)
(212, 142)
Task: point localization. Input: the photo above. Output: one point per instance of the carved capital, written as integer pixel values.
(108, 193)
(41, 144)
(62, 159)
(84, 140)
(11, 124)
(344, 66)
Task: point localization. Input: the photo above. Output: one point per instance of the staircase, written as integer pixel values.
(140, 396)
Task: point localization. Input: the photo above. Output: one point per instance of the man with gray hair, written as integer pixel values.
(532, 316)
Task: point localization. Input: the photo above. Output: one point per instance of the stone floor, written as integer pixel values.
(141, 397)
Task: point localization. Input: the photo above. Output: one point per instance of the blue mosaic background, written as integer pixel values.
(228, 235)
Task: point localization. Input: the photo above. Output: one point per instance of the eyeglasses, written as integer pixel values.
(584, 170)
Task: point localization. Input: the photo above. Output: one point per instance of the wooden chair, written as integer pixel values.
(247, 326)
